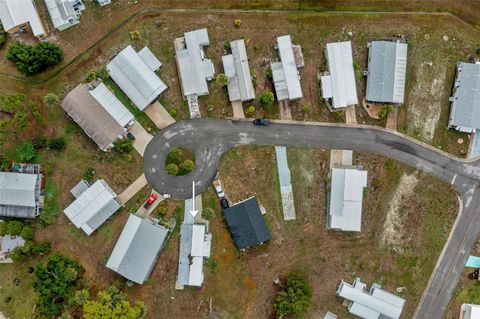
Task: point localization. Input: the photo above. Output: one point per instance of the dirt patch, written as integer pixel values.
(393, 234)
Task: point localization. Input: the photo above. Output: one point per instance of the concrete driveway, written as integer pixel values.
(157, 113)
(132, 189)
(142, 138)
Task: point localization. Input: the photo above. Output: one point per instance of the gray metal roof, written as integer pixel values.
(387, 67)
(246, 224)
(285, 180)
(92, 117)
(9, 243)
(346, 195)
(136, 76)
(14, 13)
(93, 207)
(237, 70)
(285, 74)
(373, 304)
(342, 75)
(63, 13)
(137, 249)
(78, 189)
(465, 110)
(194, 69)
(112, 105)
(18, 194)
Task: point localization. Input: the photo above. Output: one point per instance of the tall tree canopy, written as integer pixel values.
(112, 304)
(33, 59)
(295, 297)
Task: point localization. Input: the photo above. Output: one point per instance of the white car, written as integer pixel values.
(218, 188)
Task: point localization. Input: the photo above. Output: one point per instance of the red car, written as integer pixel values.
(150, 201)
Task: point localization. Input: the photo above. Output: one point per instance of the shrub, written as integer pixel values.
(14, 227)
(173, 112)
(267, 98)
(250, 110)
(246, 39)
(384, 111)
(208, 213)
(79, 298)
(355, 65)
(39, 142)
(174, 156)
(51, 99)
(42, 248)
(17, 254)
(172, 169)
(112, 303)
(187, 165)
(3, 36)
(88, 174)
(161, 211)
(34, 59)
(25, 152)
(57, 144)
(227, 46)
(305, 108)
(3, 228)
(102, 73)
(237, 23)
(123, 146)
(222, 80)
(134, 35)
(27, 232)
(295, 297)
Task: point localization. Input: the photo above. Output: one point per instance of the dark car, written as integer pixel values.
(264, 122)
(150, 201)
(224, 203)
(130, 136)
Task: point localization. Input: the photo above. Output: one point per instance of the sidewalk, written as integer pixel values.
(131, 190)
(142, 138)
(238, 110)
(157, 113)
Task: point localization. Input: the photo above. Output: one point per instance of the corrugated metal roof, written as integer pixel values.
(371, 305)
(137, 249)
(90, 115)
(112, 105)
(237, 70)
(9, 243)
(14, 13)
(78, 189)
(150, 59)
(387, 67)
(135, 77)
(327, 87)
(340, 65)
(290, 79)
(346, 195)
(17, 189)
(465, 110)
(194, 69)
(63, 14)
(93, 207)
(285, 181)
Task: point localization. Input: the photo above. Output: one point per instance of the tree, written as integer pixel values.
(385, 110)
(208, 213)
(3, 228)
(54, 283)
(88, 174)
(187, 165)
(26, 152)
(295, 297)
(250, 110)
(267, 99)
(17, 254)
(39, 142)
(222, 80)
(42, 248)
(3, 36)
(27, 232)
(34, 59)
(172, 169)
(112, 304)
(57, 143)
(51, 99)
(174, 156)
(79, 298)
(14, 227)
(123, 146)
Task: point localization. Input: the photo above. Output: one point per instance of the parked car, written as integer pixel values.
(262, 122)
(150, 201)
(224, 203)
(218, 188)
(130, 136)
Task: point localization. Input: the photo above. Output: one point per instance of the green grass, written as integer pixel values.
(22, 297)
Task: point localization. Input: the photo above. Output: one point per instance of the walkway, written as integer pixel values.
(142, 138)
(157, 113)
(238, 110)
(131, 190)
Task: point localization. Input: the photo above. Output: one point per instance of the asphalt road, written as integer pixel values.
(210, 139)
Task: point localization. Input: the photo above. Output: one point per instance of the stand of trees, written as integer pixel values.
(33, 59)
(112, 304)
(295, 297)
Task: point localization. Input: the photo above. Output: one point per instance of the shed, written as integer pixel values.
(465, 108)
(387, 68)
(17, 14)
(340, 85)
(345, 201)
(285, 72)
(64, 13)
(135, 74)
(93, 207)
(19, 194)
(246, 224)
(469, 311)
(96, 119)
(137, 249)
(237, 69)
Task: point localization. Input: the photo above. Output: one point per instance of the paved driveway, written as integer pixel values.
(157, 113)
(142, 138)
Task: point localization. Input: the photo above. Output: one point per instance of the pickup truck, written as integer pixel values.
(218, 188)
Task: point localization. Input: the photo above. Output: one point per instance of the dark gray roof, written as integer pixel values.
(387, 66)
(465, 112)
(246, 224)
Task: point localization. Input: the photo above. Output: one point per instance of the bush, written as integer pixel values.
(112, 303)
(161, 211)
(227, 46)
(250, 110)
(42, 248)
(208, 213)
(123, 146)
(134, 35)
(26, 152)
(88, 174)
(34, 59)
(172, 169)
(267, 99)
(384, 111)
(14, 227)
(173, 112)
(295, 298)
(3, 36)
(79, 298)
(39, 142)
(3, 228)
(237, 23)
(51, 99)
(305, 108)
(174, 156)
(269, 73)
(57, 144)
(27, 232)
(222, 80)
(17, 254)
(187, 165)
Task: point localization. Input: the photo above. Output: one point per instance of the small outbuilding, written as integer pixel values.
(339, 86)
(134, 73)
(104, 2)
(285, 73)
(246, 224)
(240, 86)
(93, 205)
(99, 113)
(137, 249)
(17, 15)
(469, 311)
(64, 13)
(387, 68)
